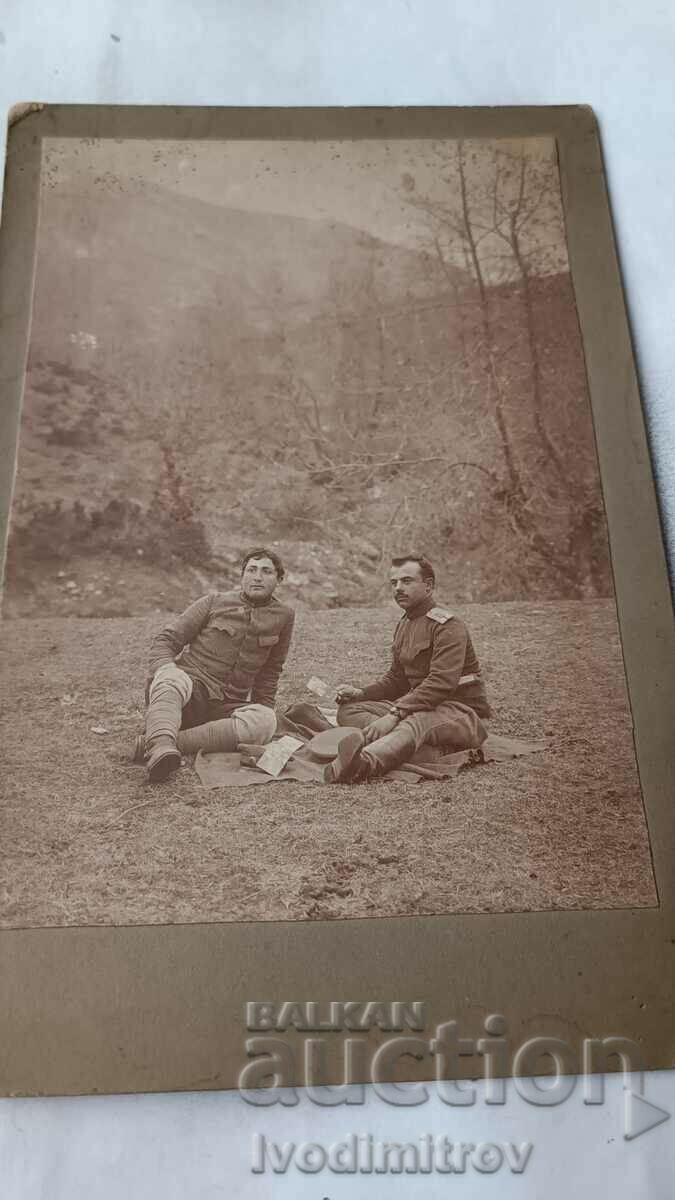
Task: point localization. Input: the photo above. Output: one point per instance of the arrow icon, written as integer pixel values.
(639, 1115)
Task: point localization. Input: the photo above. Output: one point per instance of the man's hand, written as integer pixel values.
(346, 692)
(380, 727)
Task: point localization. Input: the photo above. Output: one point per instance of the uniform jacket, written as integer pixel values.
(433, 662)
(235, 647)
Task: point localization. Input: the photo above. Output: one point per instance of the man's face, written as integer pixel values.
(259, 579)
(408, 586)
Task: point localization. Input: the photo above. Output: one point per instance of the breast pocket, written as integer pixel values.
(222, 640)
(260, 649)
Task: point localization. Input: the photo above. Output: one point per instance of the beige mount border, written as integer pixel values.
(151, 1008)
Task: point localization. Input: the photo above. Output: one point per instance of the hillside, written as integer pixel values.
(155, 266)
(279, 378)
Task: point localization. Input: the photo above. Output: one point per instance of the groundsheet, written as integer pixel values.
(225, 770)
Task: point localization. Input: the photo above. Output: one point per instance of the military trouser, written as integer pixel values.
(449, 727)
(180, 711)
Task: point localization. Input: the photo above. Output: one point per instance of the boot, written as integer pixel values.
(306, 719)
(389, 752)
(348, 762)
(356, 762)
(163, 760)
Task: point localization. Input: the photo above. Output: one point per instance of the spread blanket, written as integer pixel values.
(226, 770)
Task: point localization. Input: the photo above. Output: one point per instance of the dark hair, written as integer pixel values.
(263, 552)
(426, 569)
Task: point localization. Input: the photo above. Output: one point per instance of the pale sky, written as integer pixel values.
(364, 183)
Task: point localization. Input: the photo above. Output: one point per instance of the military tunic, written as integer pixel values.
(433, 662)
(234, 648)
(434, 682)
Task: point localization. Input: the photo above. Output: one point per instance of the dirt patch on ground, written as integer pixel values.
(86, 841)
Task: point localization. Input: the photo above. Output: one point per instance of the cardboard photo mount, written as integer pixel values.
(162, 1007)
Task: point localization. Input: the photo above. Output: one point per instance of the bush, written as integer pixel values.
(55, 533)
(164, 531)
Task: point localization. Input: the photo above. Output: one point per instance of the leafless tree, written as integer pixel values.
(504, 224)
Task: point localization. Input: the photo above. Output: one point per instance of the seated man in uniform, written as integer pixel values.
(214, 670)
(432, 695)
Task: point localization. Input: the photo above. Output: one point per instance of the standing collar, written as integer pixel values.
(420, 609)
(251, 603)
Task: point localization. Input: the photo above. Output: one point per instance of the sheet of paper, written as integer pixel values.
(319, 687)
(277, 755)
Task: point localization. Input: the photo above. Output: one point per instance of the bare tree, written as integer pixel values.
(503, 221)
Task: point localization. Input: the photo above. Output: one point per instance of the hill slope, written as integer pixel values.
(288, 367)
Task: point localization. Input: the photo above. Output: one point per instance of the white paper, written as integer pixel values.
(318, 686)
(277, 754)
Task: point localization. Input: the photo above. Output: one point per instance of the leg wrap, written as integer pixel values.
(211, 737)
(169, 691)
(252, 723)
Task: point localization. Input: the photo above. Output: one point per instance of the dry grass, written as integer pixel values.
(86, 841)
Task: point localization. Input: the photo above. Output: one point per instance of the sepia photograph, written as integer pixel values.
(308, 604)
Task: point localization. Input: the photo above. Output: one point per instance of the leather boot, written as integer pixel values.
(163, 760)
(389, 752)
(348, 761)
(307, 719)
(356, 762)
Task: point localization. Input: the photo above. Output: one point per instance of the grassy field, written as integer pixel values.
(86, 841)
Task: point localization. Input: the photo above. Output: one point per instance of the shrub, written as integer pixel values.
(162, 532)
(124, 528)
